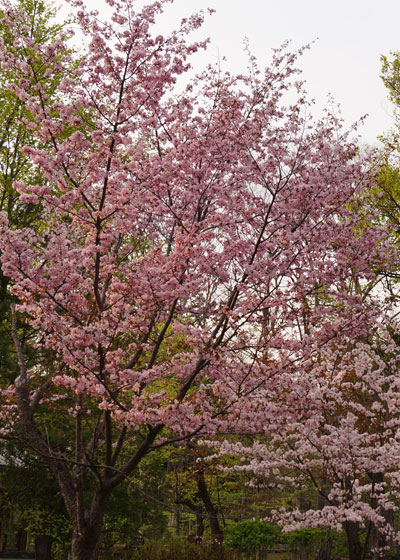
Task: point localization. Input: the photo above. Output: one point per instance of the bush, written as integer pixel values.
(304, 538)
(305, 542)
(248, 537)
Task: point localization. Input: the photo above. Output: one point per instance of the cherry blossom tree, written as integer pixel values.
(181, 237)
(342, 440)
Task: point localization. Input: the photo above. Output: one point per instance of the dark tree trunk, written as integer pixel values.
(353, 540)
(43, 545)
(87, 525)
(84, 545)
(200, 526)
(217, 534)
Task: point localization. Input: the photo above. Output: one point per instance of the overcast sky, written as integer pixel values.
(350, 35)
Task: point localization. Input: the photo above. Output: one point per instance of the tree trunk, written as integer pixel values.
(217, 534)
(86, 529)
(43, 545)
(353, 540)
(200, 526)
(84, 545)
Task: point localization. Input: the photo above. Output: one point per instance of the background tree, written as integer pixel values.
(17, 132)
(23, 489)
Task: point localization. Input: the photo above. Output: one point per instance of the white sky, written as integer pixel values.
(344, 61)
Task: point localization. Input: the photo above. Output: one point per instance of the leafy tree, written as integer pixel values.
(206, 218)
(36, 20)
(391, 76)
(39, 511)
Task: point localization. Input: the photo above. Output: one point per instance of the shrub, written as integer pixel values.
(305, 542)
(248, 537)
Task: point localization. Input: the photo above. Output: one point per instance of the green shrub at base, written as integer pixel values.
(303, 538)
(247, 537)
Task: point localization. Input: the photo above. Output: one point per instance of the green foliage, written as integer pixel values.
(305, 542)
(391, 76)
(250, 536)
(136, 509)
(38, 522)
(340, 544)
(385, 195)
(303, 538)
(129, 518)
(31, 493)
(15, 134)
(14, 164)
